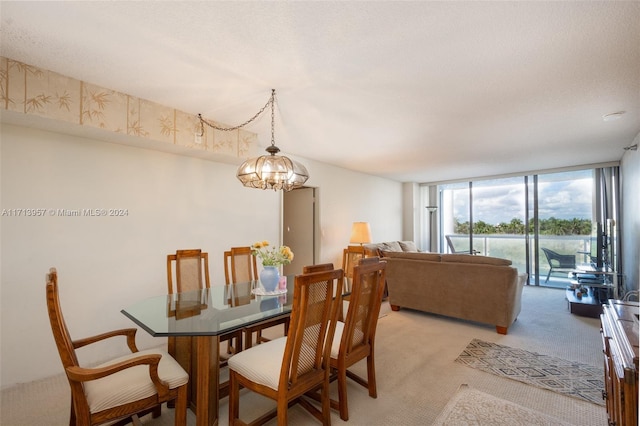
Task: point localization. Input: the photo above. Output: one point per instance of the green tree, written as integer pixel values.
(550, 226)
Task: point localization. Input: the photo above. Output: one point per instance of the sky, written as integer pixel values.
(564, 195)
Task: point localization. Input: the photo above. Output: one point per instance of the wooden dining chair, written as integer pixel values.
(284, 369)
(355, 337)
(131, 385)
(240, 266)
(341, 297)
(317, 268)
(350, 258)
(190, 270)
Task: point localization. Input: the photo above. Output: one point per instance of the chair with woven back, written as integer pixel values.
(191, 271)
(308, 269)
(239, 273)
(559, 262)
(350, 258)
(192, 274)
(286, 368)
(326, 267)
(355, 337)
(240, 266)
(123, 388)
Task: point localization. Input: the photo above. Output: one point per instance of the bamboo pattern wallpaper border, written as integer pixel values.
(31, 90)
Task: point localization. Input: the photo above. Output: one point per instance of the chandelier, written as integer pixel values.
(266, 171)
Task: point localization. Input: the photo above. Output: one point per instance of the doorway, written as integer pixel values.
(299, 228)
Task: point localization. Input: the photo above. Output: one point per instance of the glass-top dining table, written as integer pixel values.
(197, 319)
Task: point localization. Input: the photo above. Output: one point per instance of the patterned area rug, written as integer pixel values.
(471, 407)
(569, 378)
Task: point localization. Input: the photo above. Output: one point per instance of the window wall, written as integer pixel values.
(516, 217)
(564, 205)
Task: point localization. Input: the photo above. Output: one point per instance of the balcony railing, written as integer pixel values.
(512, 247)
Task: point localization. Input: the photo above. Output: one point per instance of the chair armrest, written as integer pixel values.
(130, 333)
(81, 374)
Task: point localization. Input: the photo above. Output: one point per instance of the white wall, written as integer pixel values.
(346, 197)
(104, 263)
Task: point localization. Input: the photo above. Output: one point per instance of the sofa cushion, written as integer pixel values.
(408, 246)
(390, 246)
(379, 249)
(431, 257)
(372, 249)
(468, 258)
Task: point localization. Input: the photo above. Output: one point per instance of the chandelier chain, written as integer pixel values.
(273, 96)
(228, 129)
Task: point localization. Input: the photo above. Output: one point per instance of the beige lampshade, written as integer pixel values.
(360, 233)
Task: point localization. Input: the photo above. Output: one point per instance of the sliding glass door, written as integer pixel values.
(565, 206)
(499, 207)
(527, 219)
(485, 217)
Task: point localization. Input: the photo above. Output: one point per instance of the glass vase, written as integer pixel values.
(269, 277)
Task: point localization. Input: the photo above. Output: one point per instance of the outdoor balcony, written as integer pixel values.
(513, 247)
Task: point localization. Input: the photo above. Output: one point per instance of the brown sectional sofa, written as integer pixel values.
(476, 288)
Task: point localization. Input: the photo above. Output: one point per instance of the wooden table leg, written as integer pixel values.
(207, 377)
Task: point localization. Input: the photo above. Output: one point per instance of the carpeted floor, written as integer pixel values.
(415, 367)
(470, 407)
(567, 377)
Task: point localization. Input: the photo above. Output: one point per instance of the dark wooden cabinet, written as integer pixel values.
(619, 322)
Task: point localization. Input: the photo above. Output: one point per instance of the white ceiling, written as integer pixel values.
(412, 91)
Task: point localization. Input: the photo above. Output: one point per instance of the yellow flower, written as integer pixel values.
(286, 252)
(274, 256)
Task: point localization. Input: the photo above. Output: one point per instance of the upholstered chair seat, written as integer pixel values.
(337, 337)
(262, 364)
(132, 384)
